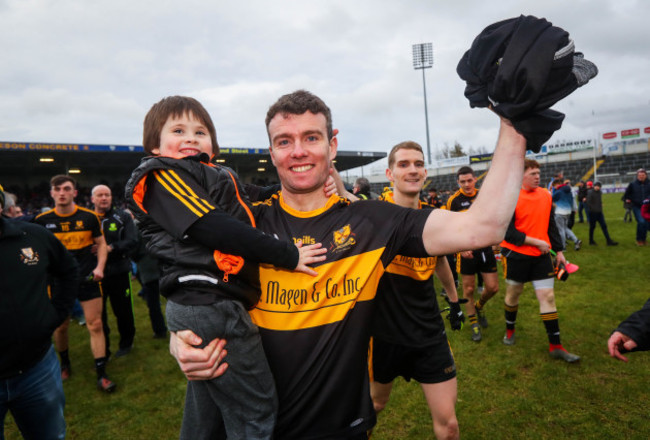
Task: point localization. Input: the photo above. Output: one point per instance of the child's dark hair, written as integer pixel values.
(174, 106)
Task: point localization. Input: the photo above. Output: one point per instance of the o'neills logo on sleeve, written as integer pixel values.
(292, 301)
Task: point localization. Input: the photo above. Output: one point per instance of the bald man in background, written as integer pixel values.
(122, 240)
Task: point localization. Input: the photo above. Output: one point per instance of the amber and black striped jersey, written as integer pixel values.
(172, 191)
(407, 309)
(77, 232)
(459, 201)
(316, 330)
(197, 221)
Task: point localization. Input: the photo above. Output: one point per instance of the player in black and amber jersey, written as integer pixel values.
(79, 230)
(315, 330)
(409, 337)
(198, 222)
(433, 199)
(469, 263)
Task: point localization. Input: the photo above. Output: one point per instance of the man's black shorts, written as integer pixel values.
(430, 364)
(526, 268)
(89, 290)
(484, 261)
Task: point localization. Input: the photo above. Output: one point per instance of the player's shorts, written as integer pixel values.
(431, 364)
(526, 268)
(484, 261)
(89, 290)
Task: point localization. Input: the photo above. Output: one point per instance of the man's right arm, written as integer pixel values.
(486, 221)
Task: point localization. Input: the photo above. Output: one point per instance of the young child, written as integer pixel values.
(196, 218)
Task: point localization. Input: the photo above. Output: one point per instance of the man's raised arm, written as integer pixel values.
(486, 221)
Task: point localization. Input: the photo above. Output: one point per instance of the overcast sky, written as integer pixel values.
(87, 72)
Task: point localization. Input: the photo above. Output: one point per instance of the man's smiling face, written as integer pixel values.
(301, 151)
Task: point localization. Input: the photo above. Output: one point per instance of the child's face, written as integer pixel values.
(183, 136)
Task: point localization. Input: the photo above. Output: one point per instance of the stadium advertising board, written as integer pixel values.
(569, 146)
(452, 162)
(627, 134)
(46, 147)
(243, 150)
(480, 158)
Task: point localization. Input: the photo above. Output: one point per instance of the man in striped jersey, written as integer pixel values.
(79, 229)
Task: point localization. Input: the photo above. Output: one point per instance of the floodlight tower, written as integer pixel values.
(423, 59)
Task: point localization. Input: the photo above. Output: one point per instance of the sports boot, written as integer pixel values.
(482, 320)
(561, 353)
(476, 333)
(105, 384)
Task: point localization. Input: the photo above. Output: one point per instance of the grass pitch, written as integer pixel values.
(504, 392)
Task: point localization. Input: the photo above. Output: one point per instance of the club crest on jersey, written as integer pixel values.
(79, 224)
(343, 238)
(28, 256)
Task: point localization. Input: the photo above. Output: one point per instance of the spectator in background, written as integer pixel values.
(121, 241)
(10, 209)
(30, 378)
(361, 188)
(148, 275)
(13, 210)
(595, 203)
(589, 186)
(563, 200)
(581, 197)
(635, 193)
(633, 334)
(558, 176)
(574, 206)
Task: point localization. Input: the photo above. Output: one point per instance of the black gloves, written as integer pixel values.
(456, 317)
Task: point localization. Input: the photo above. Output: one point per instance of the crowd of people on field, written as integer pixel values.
(293, 308)
(211, 281)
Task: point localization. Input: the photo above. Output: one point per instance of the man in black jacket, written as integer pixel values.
(30, 377)
(122, 240)
(635, 193)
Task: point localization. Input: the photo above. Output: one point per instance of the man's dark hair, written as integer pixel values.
(464, 170)
(60, 179)
(297, 103)
(174, 106)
